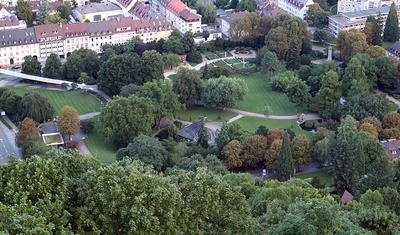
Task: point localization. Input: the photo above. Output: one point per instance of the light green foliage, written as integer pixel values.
(125, 118)
(270, 64)
(224, 92)
(165, 100)
(31, 66)
(354, 80)
(365, 105)
(244, 181)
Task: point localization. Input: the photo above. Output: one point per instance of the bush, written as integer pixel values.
(194, 57)
(87, 126)
(72, 144)
(317, 55)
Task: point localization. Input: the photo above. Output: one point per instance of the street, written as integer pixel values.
(7, 144)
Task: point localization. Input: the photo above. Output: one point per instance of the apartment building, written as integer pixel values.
(359, 5)
(16, 44)
(42, 40)
(356, 20)
(98, 11)
(295, 7)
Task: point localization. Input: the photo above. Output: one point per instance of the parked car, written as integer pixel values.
(16, 67)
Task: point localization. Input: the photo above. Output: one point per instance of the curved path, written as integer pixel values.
(242, 113)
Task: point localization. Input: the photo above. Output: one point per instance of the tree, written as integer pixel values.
(246, 29)
(146, 149)
(221, 3)
(83, 78)
(24, 12)
(224, 92)
(301, 151)
(9, 101)
(345, 165)
(373, 31)
(321, 35)
(285, 163)
(298, 93)
(31, 66)
(391, 120)
(91, 63)
(203, 136)
(234, 4)
(125, 118)
(188, 86)
(173, 45)
(253, 149)
(119, 71)
(152, 66)
(354, 80)
(205, 34)
(73, 67)
(312, 10)
(130, 89)
(26, 128)
(327, 101)
(43, 11)
(53, 68)
(218, 71)
(323, 145)
(321, 19)
(277, 41)
(391, 31)
(365, 105)
(65, 10)
(350, 43)
(205, 74)
(208, 12)
(270, 64)
(231, 154)
(376, 51)
(246, 5)
(229, 132)
(36, 107)
(68, 121)
(170, 60)
(386, 72)
(87, 126)
(55, 19)
(165, 101)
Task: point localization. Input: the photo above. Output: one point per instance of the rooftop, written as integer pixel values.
(48, 128)
(17, 37)
(97, 7)
(234, 15)
(391, 147)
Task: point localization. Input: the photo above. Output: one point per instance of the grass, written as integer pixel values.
(252, 123)
(222, 53)
(173, 77)
(238, 66)
(393, 107)
(219, 63)
(333, 40)
(99, 148)
(232, 61)
(84, 103)
(260, 95)
(386, 44)
(194, 113)
(210, 55)
(322, 174)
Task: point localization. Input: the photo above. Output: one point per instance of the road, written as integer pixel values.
(7, 144)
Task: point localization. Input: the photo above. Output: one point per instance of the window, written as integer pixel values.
(96, 17)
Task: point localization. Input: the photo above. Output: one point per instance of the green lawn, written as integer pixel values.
(386, 44)
(260, 95)
(222, 53)
(393, 107)
(84, 103)
(219, 63)
(173, 77)
(194, 113)
(252, 123)
(96, 144)
(232, 61)
(323, 175)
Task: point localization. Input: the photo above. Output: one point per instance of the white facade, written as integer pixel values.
(4, 13)
(359, 5)
(295, 7)
(15, 54)
(97, 12)
(227, 19)
(183, 25)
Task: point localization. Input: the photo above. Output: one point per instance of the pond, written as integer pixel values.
(310, 125)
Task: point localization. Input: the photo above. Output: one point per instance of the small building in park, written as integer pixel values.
(391, 147)
(50, 134)
(190, 132)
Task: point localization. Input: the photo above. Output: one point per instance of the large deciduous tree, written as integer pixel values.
(298, 93)
(35, 106)
(354, 80)
(301, 151)
(232, 154)
(208, 12)
(26, 128)
(285, 163)
(43, 11)
(146, 149)
(391, 31)
(327, 101)
(165, 100)
(246, 29)
(73, 67)
(9, 101)
(270, 64)
(53, 67)
(224, 92)
(173, 45)
(125, 118)
(365, 105)
(24, 11)
(119, 71)
(188, 86)
(170, 60)
(373, 31)
(277, 41)
(31, 66)
(350, 43)
(253, 149)
(68, 121)
(152, 66)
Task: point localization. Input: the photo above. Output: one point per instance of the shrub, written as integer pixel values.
(194, 57)
(72, 144)
(87, 126)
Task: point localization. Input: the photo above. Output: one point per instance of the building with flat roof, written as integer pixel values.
(97, 11)
(356, 20)
(359, 5)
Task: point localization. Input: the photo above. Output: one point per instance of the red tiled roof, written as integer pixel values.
(177, 6)
(71, 30)
(346, 197)
(50, 30)
(140, 9)
(391, 147)
(188, 16)
(125, 3)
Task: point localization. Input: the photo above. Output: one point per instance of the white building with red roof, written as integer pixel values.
(182, 17)
(295, 7)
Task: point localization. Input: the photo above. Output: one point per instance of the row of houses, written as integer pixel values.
(42, 40)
